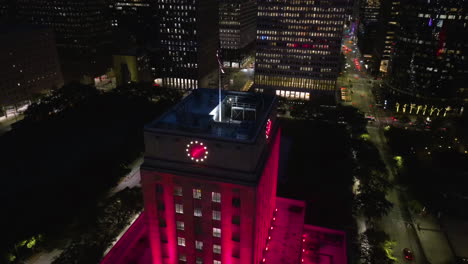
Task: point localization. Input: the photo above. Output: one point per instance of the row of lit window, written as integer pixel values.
(293, 94)
(443, 16)
(303, 22)
(299, 39)
(197, 194)
(264, 33)
(299, 8)
(177, 7)
(298, 50)
(199, 245)
(180, 83)
(295, 82)
(179, 19)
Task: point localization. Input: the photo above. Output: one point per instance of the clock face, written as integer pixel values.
(197, 151)
(268, 128)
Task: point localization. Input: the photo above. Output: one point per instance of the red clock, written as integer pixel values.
(268, 128)
(197, 151)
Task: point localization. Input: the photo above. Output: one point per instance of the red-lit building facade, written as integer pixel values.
(210, 186)
(209, 183)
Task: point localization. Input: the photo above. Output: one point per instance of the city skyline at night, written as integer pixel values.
(234, 131)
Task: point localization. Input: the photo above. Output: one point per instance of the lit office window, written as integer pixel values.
(216, 261)
(199, 261)
(180, 225)
(196, 194)
(179, 208)
(198, 245)
(216, 197)
(197, 212)
(181, 241)
(216, 232)
(216, 215)
(217, 249)
(182, 257)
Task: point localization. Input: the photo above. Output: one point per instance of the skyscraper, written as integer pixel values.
(135, 20)
(28, 63)
(79, 25)
(298, 46)
(209, 183)
(237, 24)
(188, 42)
(431, 51)
(370, 33)
(82, 30)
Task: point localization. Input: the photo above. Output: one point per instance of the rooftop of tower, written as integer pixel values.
(242, 115)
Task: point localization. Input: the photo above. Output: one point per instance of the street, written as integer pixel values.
(398, 223)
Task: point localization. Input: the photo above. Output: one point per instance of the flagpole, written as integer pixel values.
(219, 95)
(220, 71)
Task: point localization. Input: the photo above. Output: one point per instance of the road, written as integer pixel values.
(398, 223)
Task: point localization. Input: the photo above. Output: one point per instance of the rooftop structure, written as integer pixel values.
(242, 115)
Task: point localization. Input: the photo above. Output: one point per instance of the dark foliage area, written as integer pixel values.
(434, 168)
(68, 151)
(89, 245)
(318, 170)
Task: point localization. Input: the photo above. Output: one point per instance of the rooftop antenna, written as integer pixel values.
(221, 70)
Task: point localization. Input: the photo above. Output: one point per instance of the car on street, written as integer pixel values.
(408, 254)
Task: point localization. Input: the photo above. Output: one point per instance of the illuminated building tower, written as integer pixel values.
(209, 184)
(298, 46)
(135, 20)
(80, 25)
(370, 33)
(237, 23)
(188, 42)
(29, 63)
(82, 29)
(430, 61)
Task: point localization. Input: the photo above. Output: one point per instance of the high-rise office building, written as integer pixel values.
(370, 33)
(188, 41)
(299, 46)
(209, 183)
(28, 63)
(387, 38)
(79, 25)
(134, 20)
(82, 30)
(237, 29)
(431, 51)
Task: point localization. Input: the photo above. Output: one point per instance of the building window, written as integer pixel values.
(216, 232)
(216, 197)
(178, 191)
(179, 208)
(196, 194)
(199, 261)
(236, 219)
(180, 225)
(217, 249)
(198, 245)
(197, 212)
(216, 215)
(162, 222)
(236, 202)
(181, 241)
(182, 257)
(216, 261)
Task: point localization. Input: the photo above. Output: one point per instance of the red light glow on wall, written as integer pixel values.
(197, 151)
(268, 129)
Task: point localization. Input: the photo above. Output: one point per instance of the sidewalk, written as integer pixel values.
(433, 240)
